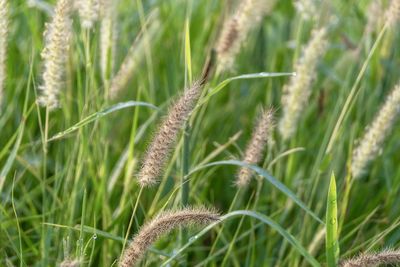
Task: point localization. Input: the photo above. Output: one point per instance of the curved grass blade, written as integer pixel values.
(265, 219)
(268, 177)
(224, 83)
(95, 116)
(332, 242)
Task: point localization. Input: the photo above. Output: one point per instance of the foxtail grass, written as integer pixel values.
(256, 146)
(161, 225)
(298, 91)
(385, 257)
(89, 12)
(371, 143)
(55, 54)
(3, 46)
(236, 28)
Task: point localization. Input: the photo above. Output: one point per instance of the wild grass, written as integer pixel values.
(112, 86)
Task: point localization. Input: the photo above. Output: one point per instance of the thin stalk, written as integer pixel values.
(43, 185)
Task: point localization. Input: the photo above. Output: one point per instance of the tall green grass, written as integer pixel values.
(76, 195)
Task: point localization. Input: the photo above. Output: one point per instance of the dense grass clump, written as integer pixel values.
(118, 118)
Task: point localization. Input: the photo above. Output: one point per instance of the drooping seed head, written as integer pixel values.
(236, 28)
(162, 225)
(55, 54)
(167, 134)
(298, 91)
(372, 141)
(256, 146)
(385, 257)
(3, 45)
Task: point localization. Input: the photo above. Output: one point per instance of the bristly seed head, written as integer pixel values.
(393, 13)
(159, 149)
(3, 45)
(298, 91)
(89, 12)
(256, 146)
(55, 54)
(374, 137)
(236, 28)
(385, 257)
(163, 224)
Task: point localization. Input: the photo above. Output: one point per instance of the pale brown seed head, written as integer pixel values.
(55, 54)
(372, 141)
(256, 146)
(70, 263)
(163, 141)
(3, 45)
(298, 90)
(386, 257)
(163, 224)
(89, 12)
(393, 13)
(236, 28)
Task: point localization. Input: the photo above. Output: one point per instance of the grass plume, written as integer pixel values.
(163, 224)
(55, 54)
(236, 28)
(386, 257)
(3, 46)
(374, 137)
(89, 11)
(298, 91)
(256, 146)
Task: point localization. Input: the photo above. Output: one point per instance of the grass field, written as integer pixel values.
(78, 181)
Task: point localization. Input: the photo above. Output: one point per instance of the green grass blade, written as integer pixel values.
(265, 219)
(95, 116)
(275, 182)
(332, 242)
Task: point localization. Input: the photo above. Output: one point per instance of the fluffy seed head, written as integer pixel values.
(89, 12)
(163, 141)
(386, 257)
(372, 141)
(133, 58)
(393, 12)
(236, 28)
(297, 92)
(3, 45)
(163, 224)
(55, 54)
(375, 16)
(255, 148)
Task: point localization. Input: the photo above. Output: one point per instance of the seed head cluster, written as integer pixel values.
(163, 141)
(306, 8)
(255, 148)
(70, 263)
(372, 141)
(163, 224)
(236, 28)
(3, 45)
(386, 257)
(55, 54)
(298, 91)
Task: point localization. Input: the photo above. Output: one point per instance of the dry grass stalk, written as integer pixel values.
(386, 257)
(3, 45)
(163, 224)
(236, 28)
(372, 141)
(298, 91)
(134, 57)
(255, 148)
(55, 54)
